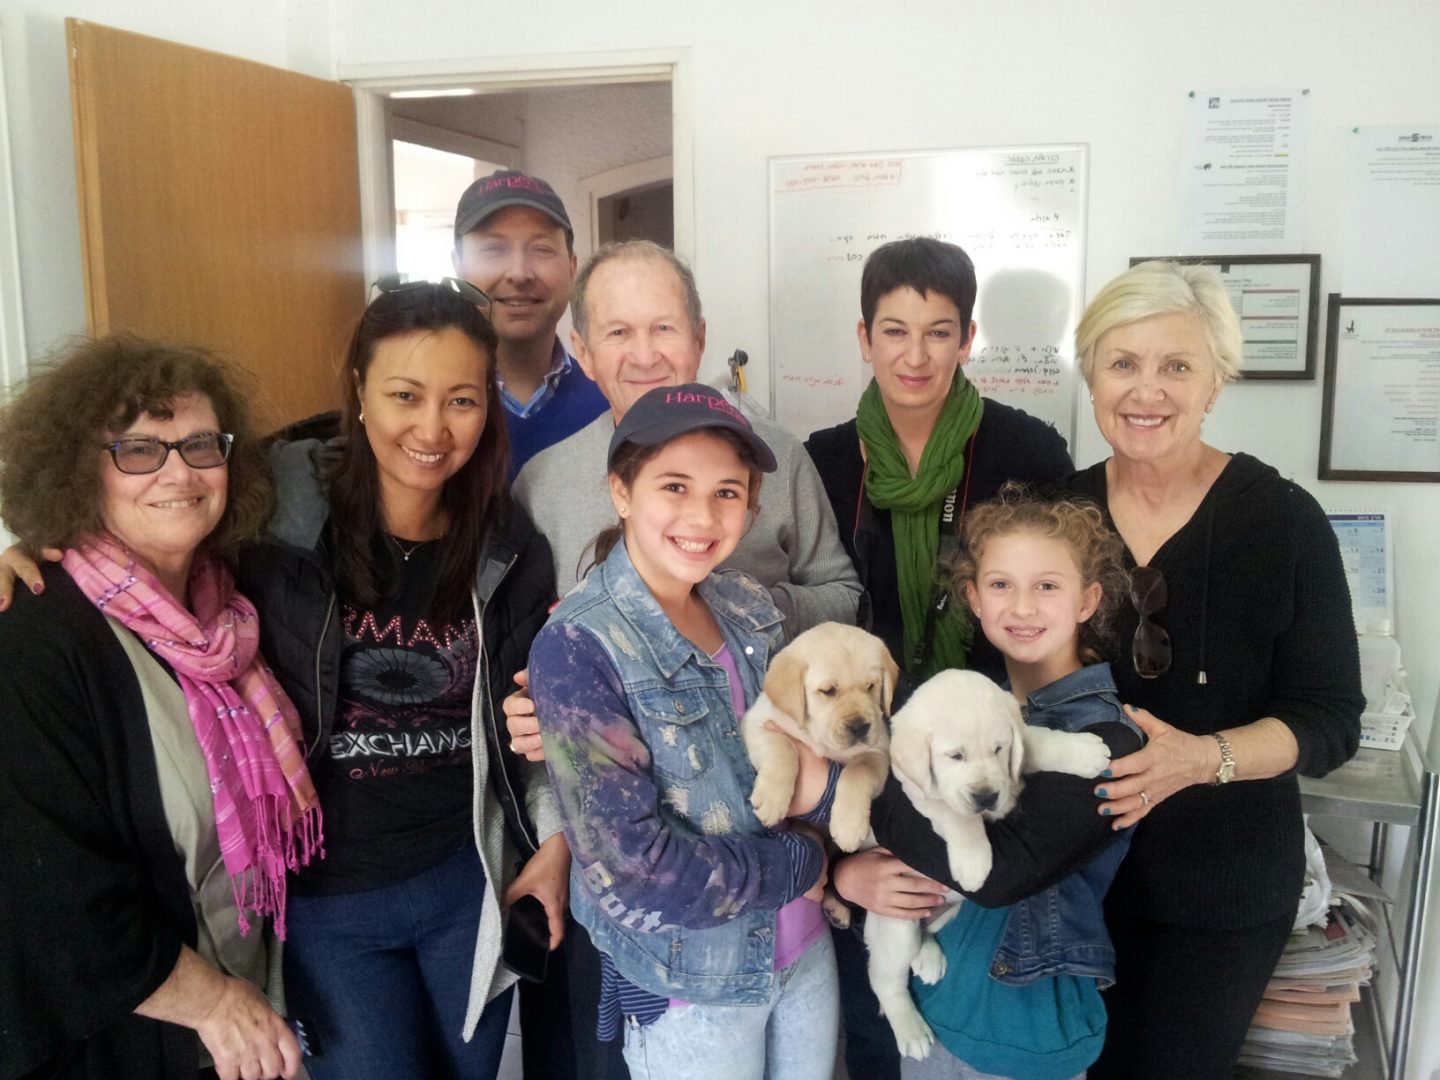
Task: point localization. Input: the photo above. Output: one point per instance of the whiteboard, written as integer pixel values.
(1018, 211)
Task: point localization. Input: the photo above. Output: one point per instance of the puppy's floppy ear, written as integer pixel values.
(1017, 738)
(785, 684)
(910, 756)
(890, 673)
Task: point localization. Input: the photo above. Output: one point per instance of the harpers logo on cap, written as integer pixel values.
(529, 183)
(710, 401)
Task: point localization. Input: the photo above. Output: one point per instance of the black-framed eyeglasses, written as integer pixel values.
(1151, 649)
(396, 283)
(136, 455)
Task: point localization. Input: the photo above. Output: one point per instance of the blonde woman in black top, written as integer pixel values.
(1240, 665)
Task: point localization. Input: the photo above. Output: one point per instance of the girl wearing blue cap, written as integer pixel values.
(713, 946)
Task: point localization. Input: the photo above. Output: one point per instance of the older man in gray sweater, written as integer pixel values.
(637, 326)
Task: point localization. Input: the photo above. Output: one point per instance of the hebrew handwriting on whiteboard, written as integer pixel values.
(1005, 371)
(869, 172)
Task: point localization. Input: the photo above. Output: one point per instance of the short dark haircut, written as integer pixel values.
(364, 570)
(52, 431)
(922, 264)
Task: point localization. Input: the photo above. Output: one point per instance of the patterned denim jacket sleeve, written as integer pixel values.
(601, 770)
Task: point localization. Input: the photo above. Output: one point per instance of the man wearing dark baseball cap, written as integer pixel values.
(514, 241)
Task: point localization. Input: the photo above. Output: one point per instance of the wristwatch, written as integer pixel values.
(1226, 772)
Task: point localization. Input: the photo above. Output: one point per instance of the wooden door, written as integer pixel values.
(219, 206)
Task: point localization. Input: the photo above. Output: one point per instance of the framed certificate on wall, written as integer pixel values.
(1381, 413)
(1277, 298)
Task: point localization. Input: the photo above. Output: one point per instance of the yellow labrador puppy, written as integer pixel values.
(830, 689)
(959, 749)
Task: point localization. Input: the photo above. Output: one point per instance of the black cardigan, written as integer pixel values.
(1009, 445)
(1257, 600)
(94, 905)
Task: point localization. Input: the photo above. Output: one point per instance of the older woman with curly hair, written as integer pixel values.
(152, 788)
(1241, 656)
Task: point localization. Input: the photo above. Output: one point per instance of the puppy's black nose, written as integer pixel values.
(985, 799)
(858, 729)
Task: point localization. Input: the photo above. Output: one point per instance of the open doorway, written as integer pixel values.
(633, 202)
(606, 149)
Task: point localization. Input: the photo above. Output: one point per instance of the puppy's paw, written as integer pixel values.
(929, 962)
(1088, 755)
(770, 798)
(850, 824)
(970, 866)
(912, 1035)
(836, 910)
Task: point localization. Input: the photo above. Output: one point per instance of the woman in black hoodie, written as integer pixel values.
(1240, 638)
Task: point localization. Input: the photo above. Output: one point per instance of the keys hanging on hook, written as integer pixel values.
(738, 359)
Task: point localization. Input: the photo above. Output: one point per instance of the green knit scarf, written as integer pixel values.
(914, 504)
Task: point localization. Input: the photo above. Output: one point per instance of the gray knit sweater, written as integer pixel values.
(793, 548)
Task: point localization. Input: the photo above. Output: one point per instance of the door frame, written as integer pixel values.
(13, 365)
(645, 173)
(371, 83)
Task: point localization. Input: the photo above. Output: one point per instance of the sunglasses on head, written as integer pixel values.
(396, 283)
(1151, 648)
(137, 455)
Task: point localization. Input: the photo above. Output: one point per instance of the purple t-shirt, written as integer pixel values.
(801, 921)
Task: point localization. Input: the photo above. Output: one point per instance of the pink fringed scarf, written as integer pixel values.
(266, 810)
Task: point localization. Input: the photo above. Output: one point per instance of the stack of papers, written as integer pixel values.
(1303, 1025)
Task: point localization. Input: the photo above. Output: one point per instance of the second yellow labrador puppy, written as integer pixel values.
(830, 689)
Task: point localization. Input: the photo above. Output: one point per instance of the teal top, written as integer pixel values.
(1051, 1029)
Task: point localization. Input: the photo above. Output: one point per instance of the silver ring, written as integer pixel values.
(1144, 799)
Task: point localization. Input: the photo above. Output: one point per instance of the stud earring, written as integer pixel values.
(624, 511)
(1092, 399)
(362, 417)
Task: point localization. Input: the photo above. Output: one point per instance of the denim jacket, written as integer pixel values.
(673, 876)
(1062, 928)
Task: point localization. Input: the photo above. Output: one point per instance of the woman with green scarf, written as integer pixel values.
(924, 447)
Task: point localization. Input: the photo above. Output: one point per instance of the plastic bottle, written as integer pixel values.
(1379, 660)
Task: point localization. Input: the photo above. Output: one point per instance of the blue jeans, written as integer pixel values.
(383, 978)
(793, 1037)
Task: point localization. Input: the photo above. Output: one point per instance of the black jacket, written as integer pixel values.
(94, 904)
(1009, 445)
(289, 578)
